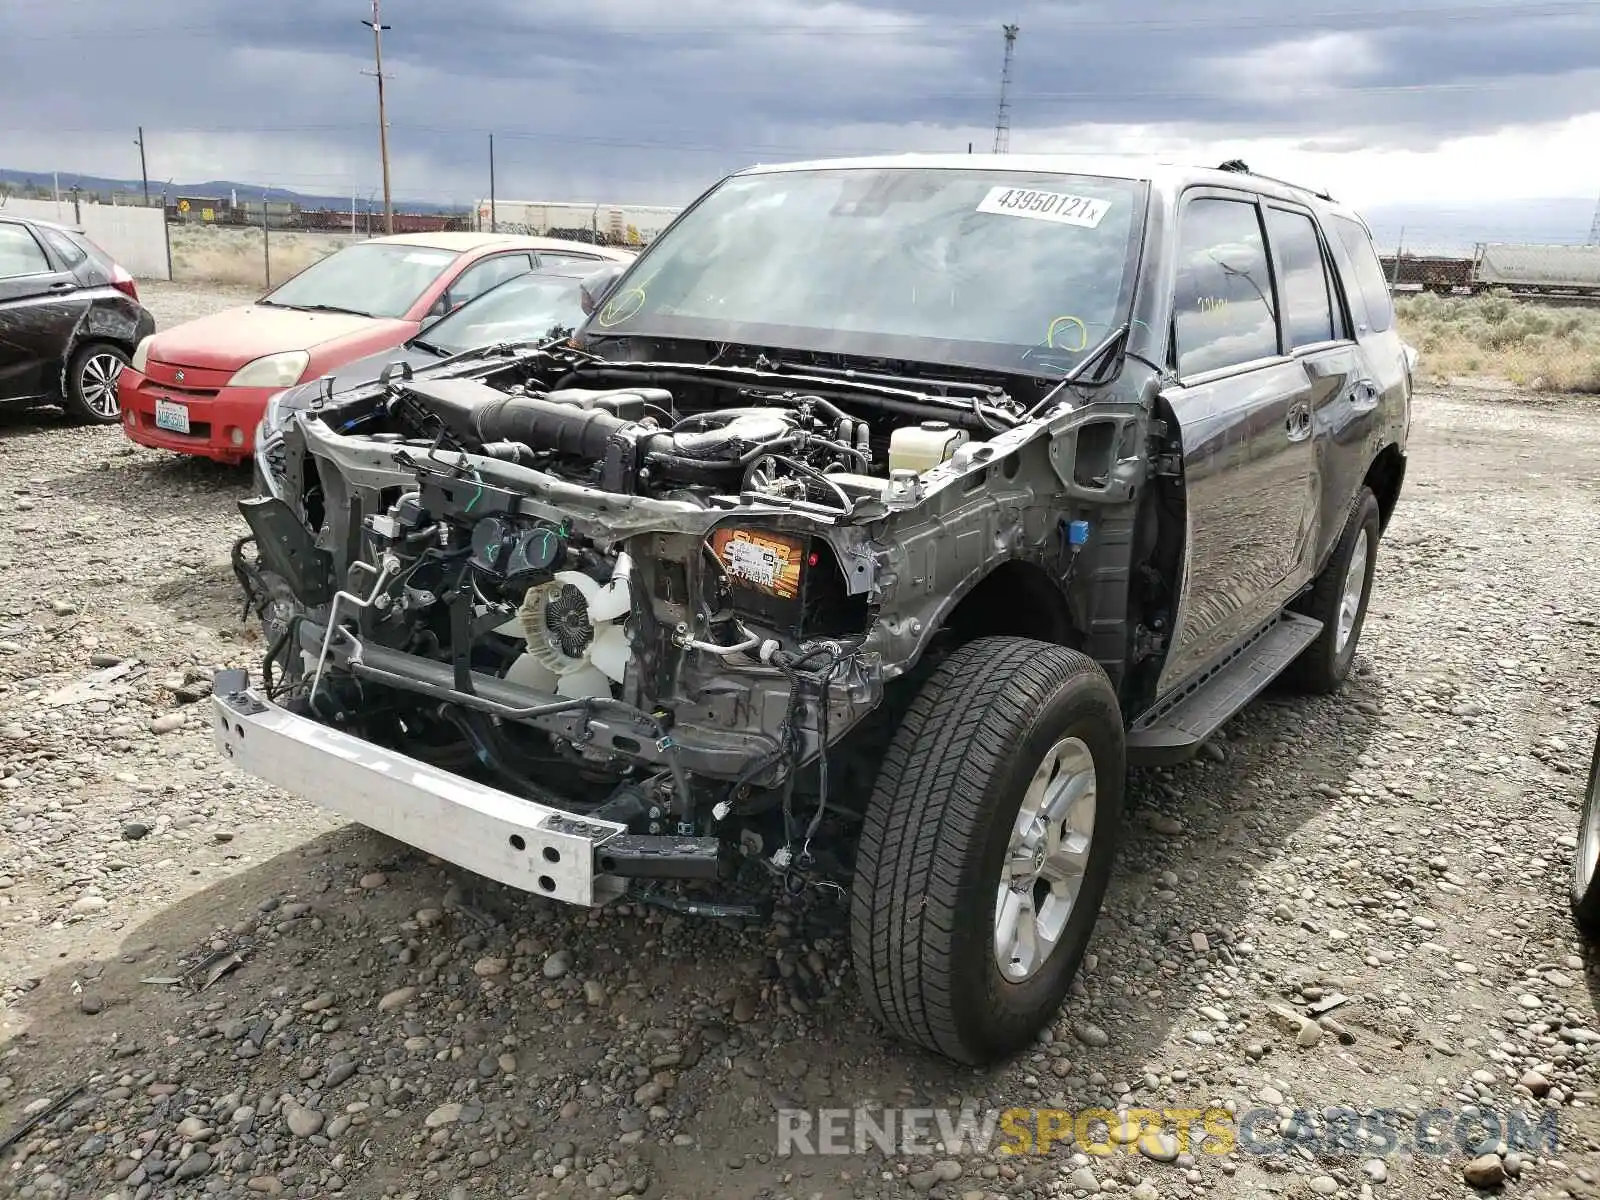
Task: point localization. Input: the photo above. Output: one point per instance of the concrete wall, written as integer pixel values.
(135, 237)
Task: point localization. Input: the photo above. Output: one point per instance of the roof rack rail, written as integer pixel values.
(1239, 166)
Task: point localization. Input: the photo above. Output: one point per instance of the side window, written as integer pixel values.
(1225, 309)
(66, 249)
(1303, 276)
(20, 254)
(480, 277)
(1369, 280)
(556, 258)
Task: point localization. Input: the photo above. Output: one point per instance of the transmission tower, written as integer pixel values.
(1594, 226)
(1002, 120)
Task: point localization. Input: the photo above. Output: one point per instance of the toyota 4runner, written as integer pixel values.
(879, 516)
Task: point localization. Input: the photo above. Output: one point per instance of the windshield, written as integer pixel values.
(375, 279)
(1009, 271)
(527, 308)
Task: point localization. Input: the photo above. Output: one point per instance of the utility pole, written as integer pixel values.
(494, 226)
(143, 172)
(1399, 249)
(1594, 226)
(1002, 120)
(377, 26)
(166, 228)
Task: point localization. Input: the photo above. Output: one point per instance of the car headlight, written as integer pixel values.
(268, 459)
(274, 370)
(272, 414)
(141, 354)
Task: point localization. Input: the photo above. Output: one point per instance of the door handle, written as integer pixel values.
(1298, 423)
(62, 286)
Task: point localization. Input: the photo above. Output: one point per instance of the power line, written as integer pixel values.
(1235, 96)
(679, 140)
(1277, 95)
(1514, 10)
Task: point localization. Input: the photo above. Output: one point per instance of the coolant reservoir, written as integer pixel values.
(922, 447)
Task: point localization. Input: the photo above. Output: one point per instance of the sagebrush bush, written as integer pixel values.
(1529, 344)
(235, 255)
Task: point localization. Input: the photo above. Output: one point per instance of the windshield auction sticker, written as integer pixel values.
(1045, 206)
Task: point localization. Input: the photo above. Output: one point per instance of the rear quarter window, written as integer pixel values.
(66, 249)
(1369, 286)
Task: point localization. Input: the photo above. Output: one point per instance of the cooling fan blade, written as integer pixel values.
(573, 627)
(610, 651)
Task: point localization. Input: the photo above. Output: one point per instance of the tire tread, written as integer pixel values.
(1315, 671)
(927, 808)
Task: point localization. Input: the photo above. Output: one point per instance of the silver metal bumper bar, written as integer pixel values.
(518, 842)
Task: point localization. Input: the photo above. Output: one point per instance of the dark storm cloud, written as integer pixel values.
(661, 96)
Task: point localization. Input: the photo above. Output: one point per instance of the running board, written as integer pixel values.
(1176, 729)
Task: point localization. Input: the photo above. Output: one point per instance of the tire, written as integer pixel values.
(1586, 856)
(1325, 664)
(927, 886)
(92, 370)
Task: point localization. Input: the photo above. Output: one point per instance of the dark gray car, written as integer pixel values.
(881, 514)
(70, 319)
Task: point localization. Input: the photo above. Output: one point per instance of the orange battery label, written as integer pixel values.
(768, 562)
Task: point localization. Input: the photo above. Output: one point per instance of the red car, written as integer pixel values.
(201, 387)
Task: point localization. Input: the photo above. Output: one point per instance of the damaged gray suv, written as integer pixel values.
(880, 515)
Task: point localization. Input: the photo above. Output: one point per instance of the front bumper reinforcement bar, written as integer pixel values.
(519, 842)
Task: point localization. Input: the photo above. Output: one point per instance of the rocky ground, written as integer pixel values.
(1355, 903)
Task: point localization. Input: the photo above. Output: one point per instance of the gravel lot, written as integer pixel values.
(399, 1029)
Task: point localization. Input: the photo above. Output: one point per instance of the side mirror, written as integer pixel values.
(594, 289)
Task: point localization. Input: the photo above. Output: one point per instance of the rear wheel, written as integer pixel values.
(1339, 600)
(1586, 858)
(987, 846)
(91, 383)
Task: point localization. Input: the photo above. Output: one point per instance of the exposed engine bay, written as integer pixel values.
(653, 603)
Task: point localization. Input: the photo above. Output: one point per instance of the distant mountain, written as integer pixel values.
(210, 187)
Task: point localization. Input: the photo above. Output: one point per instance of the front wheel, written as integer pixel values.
(91, 383)
(987, 847)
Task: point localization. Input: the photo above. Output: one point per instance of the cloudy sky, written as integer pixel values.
(1450, 106)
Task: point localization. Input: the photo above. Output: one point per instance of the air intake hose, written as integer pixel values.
(480, 414)
(486, 417)
(547, 425)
